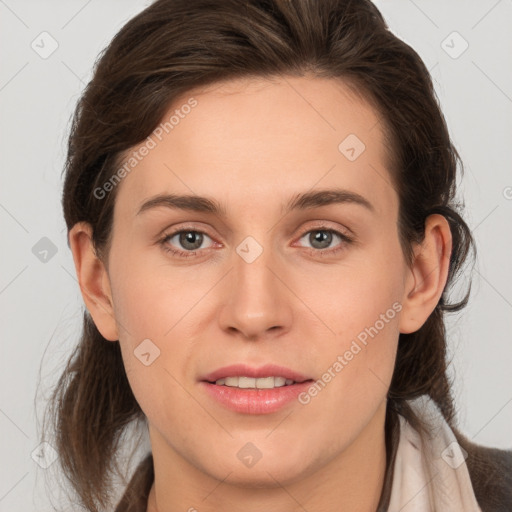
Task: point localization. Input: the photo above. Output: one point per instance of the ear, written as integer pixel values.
(427, 275)
(93, 280)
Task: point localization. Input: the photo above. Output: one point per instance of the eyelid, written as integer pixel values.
(324, 225)
(177, 227)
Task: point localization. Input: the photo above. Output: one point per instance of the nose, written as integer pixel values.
(258, 302)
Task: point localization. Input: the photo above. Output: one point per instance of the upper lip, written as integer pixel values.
(268, 370)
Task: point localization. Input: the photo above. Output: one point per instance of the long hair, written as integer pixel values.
(173, 46)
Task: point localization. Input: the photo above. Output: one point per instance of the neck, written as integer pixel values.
(351, 481)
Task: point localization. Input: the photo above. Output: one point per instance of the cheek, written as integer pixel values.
(348, 300)
(358, 306)
(356, 363)
(150, 298)
(153, 313)
(156, 309)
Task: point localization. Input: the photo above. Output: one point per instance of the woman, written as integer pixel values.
(260, 205)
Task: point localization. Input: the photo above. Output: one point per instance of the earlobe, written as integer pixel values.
(93, 280)
(427, 276)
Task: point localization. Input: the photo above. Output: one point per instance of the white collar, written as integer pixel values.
(430, 472)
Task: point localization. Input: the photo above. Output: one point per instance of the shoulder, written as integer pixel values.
(490, 470)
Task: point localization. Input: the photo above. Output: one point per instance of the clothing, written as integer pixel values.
(425, 472)
(430, 472)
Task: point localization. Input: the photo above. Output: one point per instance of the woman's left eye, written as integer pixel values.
(321, 239)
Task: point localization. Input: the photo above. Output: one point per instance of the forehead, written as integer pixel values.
(256, 139)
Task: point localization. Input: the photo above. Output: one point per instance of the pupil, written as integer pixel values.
(322, 237)
(188, 238)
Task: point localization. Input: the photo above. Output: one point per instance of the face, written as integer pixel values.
(313, 285)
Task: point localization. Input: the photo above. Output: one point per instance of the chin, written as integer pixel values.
(271, 471)
(265, 477)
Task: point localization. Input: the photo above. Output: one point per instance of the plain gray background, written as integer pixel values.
(40, 303)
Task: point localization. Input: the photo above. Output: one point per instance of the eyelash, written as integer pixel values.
(345, 240)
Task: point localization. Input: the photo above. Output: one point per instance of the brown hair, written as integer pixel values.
(175, 45)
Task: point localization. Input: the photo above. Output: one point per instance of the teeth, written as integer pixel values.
(251, 382)
(246, 382)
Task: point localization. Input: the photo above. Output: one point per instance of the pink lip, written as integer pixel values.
(254, 401)
(268, 370)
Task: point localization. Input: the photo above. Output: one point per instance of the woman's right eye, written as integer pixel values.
(187, 240)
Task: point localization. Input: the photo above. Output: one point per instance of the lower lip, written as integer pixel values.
(255, 401)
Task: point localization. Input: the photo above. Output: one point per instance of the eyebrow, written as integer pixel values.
(303, 201)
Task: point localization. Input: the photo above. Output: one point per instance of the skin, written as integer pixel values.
(252, 145)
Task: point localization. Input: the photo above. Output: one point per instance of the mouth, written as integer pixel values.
(249, 390)
(245, 376)
(244, 382)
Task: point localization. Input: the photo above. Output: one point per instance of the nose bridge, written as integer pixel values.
(257, 299)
